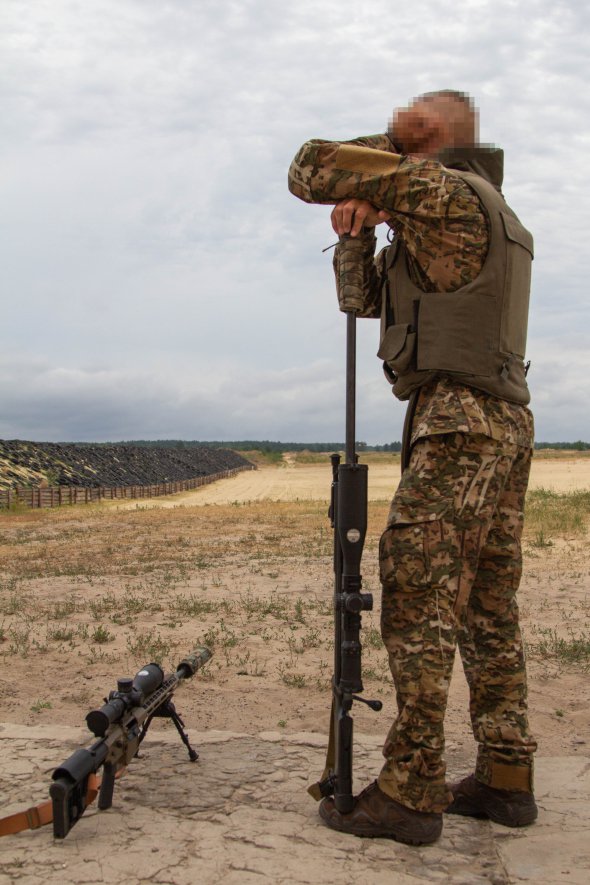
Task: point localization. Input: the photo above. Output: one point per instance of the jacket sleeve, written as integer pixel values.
(315, 175)
(433, 211)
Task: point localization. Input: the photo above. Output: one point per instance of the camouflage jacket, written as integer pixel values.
(435, 213)
(445, 233)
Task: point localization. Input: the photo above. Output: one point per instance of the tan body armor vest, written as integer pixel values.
(476, 334)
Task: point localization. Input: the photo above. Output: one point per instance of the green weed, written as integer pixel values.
(41, 705)
(371, 638)
(575, 649)
(101, 635)
(540, 541)
(150, 646)
(60, 634)
(550, 513)
(294, 680)
(194, 606)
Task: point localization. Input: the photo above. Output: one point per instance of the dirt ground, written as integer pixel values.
(294, 481)
(89, 594)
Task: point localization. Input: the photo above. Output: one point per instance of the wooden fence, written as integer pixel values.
(54, 496)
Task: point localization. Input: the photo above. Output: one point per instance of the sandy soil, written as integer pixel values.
(297, 482)
(88, 594)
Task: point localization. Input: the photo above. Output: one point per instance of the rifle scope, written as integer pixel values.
(130, 693)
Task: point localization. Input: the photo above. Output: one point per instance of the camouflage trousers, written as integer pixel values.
(451, 563)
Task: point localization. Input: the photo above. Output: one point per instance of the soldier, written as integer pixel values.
(452, 292)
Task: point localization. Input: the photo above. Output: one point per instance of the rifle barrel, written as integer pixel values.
(350, 387)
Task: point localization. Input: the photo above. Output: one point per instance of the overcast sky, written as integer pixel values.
(158, 279)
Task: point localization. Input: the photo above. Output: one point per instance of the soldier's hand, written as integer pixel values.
(349, 216)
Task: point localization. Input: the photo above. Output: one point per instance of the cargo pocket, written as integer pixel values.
(413, 539)
(411, 552)
(397, 347)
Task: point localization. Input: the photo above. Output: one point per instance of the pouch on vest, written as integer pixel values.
(397, 347)
(518, 283)
(476, 333)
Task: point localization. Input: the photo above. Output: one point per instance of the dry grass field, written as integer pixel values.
(88, 594)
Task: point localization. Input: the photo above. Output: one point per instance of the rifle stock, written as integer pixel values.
(121, 724)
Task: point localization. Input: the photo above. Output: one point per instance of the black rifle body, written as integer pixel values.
(121, 724)
(348, 512)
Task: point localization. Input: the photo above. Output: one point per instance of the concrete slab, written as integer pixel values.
(241, 814)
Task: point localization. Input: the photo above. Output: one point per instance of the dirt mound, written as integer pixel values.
(42, 464)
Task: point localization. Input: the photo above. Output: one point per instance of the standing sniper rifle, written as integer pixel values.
(348, 515)
(122, 724)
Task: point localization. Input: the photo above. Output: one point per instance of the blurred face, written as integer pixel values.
(423, 127)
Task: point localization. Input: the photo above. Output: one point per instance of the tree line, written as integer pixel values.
(267, 446)
(259, 445)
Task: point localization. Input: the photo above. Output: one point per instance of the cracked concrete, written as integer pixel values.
(241, 814)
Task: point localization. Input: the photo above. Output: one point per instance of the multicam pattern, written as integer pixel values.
(435, 213)
(445, 232)
(450, 557)
(450, 566)
(356, 275)
(444, 406)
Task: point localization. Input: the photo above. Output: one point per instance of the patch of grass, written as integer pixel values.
(150, 646)
(63, 609)
(306, 457)
(299, 645)
(104, 605)
(550, 514)
(227, 637)
(250, 666)
(299, 609)
(371, 638)
(101, 635)
(41, 705)
(273, 605)
(17, 508)
(20, 640)
(194, 606)
(294, 680)
(575, 649)
(540, 541)
(14, 604)
(61, 634)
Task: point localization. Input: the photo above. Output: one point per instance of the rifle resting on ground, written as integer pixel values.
(348, 516)
(121, 724)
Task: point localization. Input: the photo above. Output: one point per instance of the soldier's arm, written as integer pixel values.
(314, 162)
(435, 213)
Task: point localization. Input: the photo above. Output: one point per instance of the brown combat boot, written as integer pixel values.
(512, 808)
(375, 814)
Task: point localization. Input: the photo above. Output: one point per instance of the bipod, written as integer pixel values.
(167, 710)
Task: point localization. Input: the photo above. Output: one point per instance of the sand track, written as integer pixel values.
(291, 482)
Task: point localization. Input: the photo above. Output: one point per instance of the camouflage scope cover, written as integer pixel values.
(195, 660)
(349, 265)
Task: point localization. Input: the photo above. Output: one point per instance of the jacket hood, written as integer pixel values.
(485, 160)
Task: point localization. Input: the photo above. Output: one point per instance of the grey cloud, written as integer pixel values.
(47, 403)
(148, 232)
